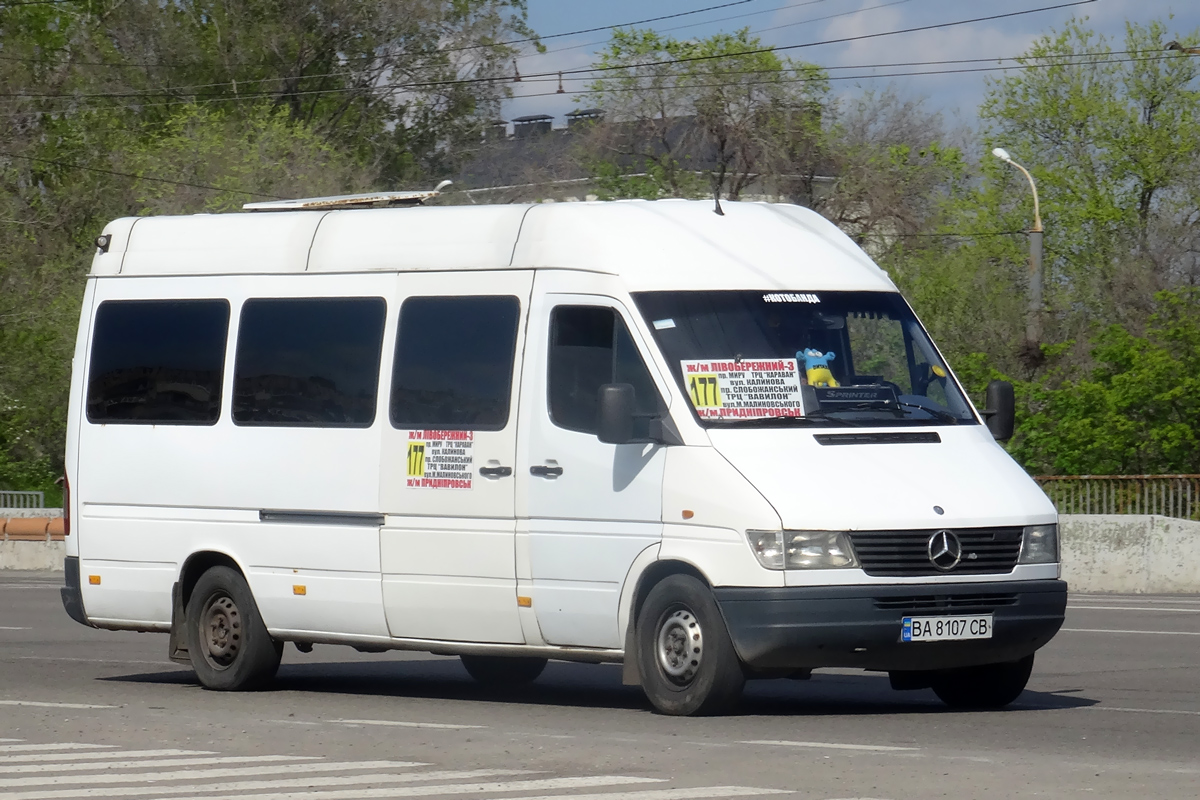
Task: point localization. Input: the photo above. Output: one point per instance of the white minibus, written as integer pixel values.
(708, 446)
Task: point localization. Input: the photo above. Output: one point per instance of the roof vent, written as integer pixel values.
(335, 202)
(532, 125)
(584, 116)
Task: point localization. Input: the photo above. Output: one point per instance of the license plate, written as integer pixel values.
(943, 629)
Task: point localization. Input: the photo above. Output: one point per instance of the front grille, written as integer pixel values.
(962, 603)
(906, 553)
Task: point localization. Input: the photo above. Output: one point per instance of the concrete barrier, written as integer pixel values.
(1130, 553)
(1100, 553)
(32, 555)
(32, 538)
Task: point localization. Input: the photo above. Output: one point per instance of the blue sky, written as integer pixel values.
(789, 22)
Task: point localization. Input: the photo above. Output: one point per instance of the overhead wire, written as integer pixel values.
(736, 16)
(464, 48)
(551, 75)
(869, 76)
(151, 179)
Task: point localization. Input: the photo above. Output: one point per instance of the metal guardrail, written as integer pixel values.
(22, 499)
(1164, 495)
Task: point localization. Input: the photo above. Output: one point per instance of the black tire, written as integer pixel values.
(987, 687)
(686, 659)
(227, 642)
(504, 670)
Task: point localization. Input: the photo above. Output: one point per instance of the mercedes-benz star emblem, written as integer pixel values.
(945, 550)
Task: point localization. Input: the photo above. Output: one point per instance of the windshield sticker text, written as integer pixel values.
(791, 297)
(743, 389)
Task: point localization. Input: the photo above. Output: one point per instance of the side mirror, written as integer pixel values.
(616, 410)
(1000, 414)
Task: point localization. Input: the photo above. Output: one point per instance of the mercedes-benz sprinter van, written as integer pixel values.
(708, 446)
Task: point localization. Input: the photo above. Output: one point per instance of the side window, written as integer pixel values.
(158, 362)
(308, 362)
(454, 362)
(589, 347)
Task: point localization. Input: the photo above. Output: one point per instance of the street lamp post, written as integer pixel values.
(1033, 319)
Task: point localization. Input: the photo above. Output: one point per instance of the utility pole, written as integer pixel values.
(1033, 318)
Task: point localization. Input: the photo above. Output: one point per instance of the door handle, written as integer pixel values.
(495, 472)
(543, 471)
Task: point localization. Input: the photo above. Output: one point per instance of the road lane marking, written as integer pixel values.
(12, 740)
(667, 794)
(285, 783)
(1145, 710)
(13, 628)
(108, 754)
(206, 774)
(163, 663)
(100, 766)
(40, 704)
(1151, 633)
(835, 746)
(1133, 608)
(440, 725)
(474, 789)
(25, 748)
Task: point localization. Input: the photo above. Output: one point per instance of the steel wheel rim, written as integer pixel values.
(679, 646)
(220, 631)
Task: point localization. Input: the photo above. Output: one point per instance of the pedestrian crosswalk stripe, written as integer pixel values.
(208, 774)
(666, 794)
(25, 748)
(100, 766)
(473, 789)
(30, 758)
(280, 783)
(103, 772)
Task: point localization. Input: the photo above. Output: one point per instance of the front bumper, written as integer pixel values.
(805, 627)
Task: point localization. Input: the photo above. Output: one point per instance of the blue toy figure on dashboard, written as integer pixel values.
(816, 367)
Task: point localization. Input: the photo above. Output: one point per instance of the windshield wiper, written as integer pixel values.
(942, 416)
(773, 422)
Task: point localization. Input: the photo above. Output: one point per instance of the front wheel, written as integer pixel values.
(686, 659)
(504, 670)
(983, 687)
(227, 642)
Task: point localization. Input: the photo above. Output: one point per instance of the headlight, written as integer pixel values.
(767, 547)
(1039, 544)
(802, 549)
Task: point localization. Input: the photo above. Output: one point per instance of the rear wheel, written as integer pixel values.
(503, 670)
(227, 642)
(686, 659)
(983, 687)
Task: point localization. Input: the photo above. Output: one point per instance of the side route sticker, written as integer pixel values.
(744, 389)
(440, 459)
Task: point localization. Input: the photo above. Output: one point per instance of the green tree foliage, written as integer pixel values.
(125, 107)
(1111, 134)
(720, 106)
(1137, 411)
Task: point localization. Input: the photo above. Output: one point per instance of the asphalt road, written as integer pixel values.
(1113, 710)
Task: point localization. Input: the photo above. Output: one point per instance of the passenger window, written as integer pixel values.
(589, 347)
(158, 362)
(454, 362)
(308, 362)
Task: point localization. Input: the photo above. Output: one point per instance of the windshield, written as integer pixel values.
(773, 359)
